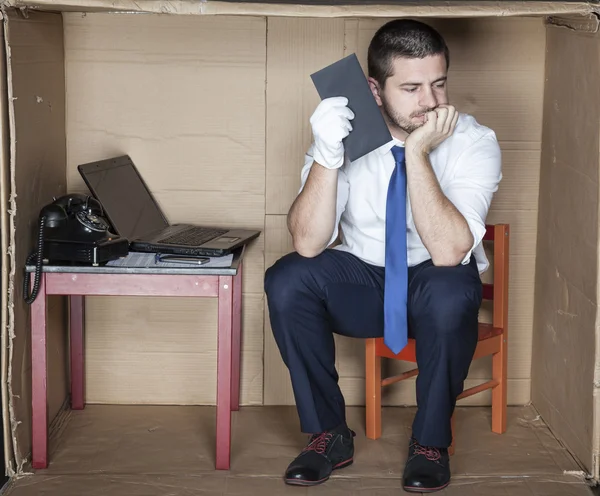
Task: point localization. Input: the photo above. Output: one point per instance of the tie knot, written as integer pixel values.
(398, 152)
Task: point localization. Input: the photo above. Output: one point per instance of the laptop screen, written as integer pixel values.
(125, 198)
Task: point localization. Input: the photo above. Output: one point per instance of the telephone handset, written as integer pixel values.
(73, 229)
(86, 210)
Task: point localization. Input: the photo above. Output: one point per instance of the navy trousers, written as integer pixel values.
(309, 299)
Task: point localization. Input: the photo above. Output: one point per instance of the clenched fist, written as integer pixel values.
(330, 125)
(439, 126)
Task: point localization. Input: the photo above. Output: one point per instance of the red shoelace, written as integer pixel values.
(319, 442)
(432, 454)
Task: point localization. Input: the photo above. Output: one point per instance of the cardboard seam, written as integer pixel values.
(579, 474)
(264, 252)
(582, 474)
(587, 474)
(60, 421)
(56, 428)
(14, 422)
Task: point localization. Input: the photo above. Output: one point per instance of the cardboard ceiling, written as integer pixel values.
(316, 8)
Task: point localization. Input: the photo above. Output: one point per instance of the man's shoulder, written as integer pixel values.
(469, 131)
(472, 143)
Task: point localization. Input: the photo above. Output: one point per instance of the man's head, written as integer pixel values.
(408, 64)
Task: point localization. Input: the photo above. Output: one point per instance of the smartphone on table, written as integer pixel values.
(182, 259)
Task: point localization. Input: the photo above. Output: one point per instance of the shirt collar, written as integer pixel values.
(389, 145)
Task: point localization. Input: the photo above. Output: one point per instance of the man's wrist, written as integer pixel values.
(416, 154)
(324, 173)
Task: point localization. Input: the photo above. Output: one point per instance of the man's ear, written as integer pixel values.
(374, 85)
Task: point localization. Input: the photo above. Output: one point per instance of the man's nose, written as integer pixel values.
(428, 99)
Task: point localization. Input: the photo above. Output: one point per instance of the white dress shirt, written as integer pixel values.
(467, 166)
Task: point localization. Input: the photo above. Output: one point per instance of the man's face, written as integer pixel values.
(416, 86)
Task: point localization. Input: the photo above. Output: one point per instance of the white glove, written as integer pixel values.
(330, 125)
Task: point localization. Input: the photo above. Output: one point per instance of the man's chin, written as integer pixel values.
(406, 125)
(412, 127)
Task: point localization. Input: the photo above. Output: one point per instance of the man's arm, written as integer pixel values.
(312, 219)
(314, 216)
(451, 224)
(442, 228)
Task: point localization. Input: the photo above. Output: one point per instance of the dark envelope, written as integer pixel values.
(346, 78)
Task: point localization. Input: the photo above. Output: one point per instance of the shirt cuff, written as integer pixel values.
(478, 232)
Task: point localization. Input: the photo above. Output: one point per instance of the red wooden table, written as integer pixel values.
(79, 282)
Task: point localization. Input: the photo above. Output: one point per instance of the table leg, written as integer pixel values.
(236, 344)
(225, 325)
(39, 372)
(76, 329)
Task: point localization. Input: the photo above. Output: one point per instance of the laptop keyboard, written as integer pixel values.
(193, 237)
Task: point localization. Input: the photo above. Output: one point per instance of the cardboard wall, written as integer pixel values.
(185, 98)
(214, 112)
(38, 147)
(564, 351)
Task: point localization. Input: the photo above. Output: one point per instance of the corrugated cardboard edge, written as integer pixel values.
(207, 7)
(589, 23)
(595, 468)
(9, 331)
(431, 9)
(4, 221)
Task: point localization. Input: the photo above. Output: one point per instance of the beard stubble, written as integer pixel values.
(400, 121)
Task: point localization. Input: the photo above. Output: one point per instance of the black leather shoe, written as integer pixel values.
(427, 469)
(324, 453)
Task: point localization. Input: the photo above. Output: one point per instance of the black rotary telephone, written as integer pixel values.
(73, 230)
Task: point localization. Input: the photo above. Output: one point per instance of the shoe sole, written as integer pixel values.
(409, 489)
(296, 482)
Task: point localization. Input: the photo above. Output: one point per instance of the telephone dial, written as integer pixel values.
(73, 230)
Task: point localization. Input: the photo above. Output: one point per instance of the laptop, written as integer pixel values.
(134, 214)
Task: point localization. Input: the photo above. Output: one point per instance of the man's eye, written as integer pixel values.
(410, 90)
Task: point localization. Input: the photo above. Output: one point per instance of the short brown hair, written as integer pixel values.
(403, 38)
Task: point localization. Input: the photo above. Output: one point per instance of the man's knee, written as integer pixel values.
(449, 299)
(283, 278)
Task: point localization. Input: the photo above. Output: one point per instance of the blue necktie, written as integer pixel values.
(396, 266)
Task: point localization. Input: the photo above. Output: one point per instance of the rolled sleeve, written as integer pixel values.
(478, 172)
(343, 190)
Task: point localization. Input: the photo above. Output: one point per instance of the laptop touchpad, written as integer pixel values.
(227, 239)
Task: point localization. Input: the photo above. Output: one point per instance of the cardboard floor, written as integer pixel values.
(148, 451)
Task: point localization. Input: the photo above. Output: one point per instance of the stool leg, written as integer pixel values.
(373, 393)
(236, 352)
(39, 374)
(499, 368)
(76, 331)
(224, 348)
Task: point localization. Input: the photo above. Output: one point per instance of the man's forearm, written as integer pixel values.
(442, 228)
(311, 220)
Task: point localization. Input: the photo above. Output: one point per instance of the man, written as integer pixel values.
(412, 216)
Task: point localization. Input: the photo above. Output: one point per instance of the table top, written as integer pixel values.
(103, 269)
